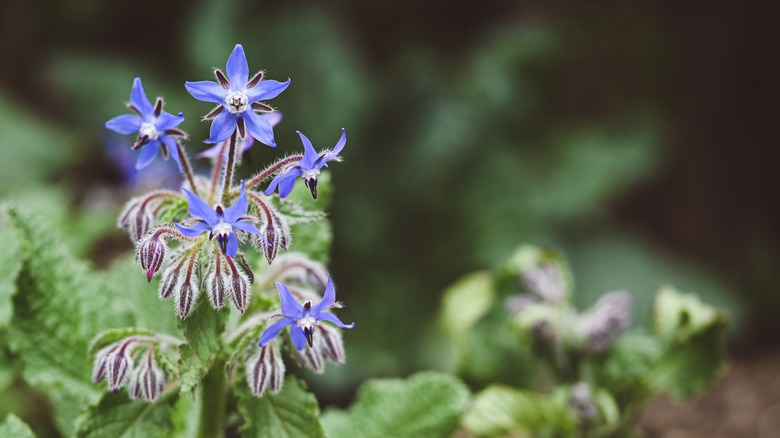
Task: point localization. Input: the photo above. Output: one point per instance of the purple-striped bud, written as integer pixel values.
(180, 280)
(170, 280)
(276, 234)
(545, 282)
(101, 363)
(331, 343)
(217, 281)
(298, 267)
(265, 370)
(151, 253)
(147, 381)
(186, 293)
(238, 285)
(609, 318)
(119, 365)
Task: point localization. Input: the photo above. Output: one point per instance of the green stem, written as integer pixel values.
(213, 401)
(229, 168)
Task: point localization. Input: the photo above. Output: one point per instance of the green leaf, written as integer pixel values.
(465, 302)
(293, 412)
(427, 404)
(110, 336)
(118, 416)
(11, 259)
(13, 427)
(679, 316)
(501, 410)
(202, 330)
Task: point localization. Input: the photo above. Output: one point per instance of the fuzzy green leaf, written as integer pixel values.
(293, 412)
(310, 236)
(11, 259)
(119, 417)
(13, 427)
(501, 410)
(427, 404)
(201, 330)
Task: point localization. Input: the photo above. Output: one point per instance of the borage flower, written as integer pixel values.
(308, 168)
(238, 98)
(156, 128)
(220, 222)
(304, 317)
(242, 145)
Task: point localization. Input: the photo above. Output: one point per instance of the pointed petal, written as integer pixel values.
(139, 100)
(148, 152)
(168, 121)
(235, 211)
(196, 230)
(328, 300)
(207, 91)
(290, 307)
(259, 128)
(322, 161)
(246, 226)
(237, 68)
(212, 152)
(125, 124)
(327, 316)
(286, 185)
(265, 90)
(222, 127)
(199, 208)
(309, 154)
(232, 246)
(273, 118)
(270, 333)
(290, 174)
(173, 149)
(298, 337)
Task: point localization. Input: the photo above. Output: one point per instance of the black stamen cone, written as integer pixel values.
(222, 241)
(311, 183)
(309, 332)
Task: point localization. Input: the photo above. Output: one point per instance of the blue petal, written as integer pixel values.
(167, 121)
(298, 337)
(139, 100)
(235, 211)
(309, 154)
(290, 307)
(207, 91)
(212, 152)
(237, 69)
(259, 128)
(286, 185)
(322, 161)
(199, 208)
(125, 124)
(266, 90)
(232, 246)
(327, 316)
(291, 174)
(196, 230)
(222, 127)
(328, 300)
(246, 226)
(173, 149)
(270, 333)
(148, 152)
(273, 118)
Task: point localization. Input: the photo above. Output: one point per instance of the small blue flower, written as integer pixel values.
(154, 127)
(308, 168)
(305, 317)
(220, 222)
(238, 97)
(242, 145)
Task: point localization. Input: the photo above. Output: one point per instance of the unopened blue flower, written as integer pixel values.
(308, 168)
(238, 97)
(220, 222)
(153, 125)
(302, 318)
(242, 145)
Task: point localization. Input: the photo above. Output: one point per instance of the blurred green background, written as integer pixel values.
(637, 138)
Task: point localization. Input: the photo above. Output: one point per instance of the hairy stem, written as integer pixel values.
(213, 400)
(229, 168)
(185, 163)
(270, 170)
(216, 172)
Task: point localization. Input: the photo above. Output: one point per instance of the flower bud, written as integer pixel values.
(119, 364)
(265, 370)
(147, 381)
(151, 253)
(581, 402)
(299, 267)
(331, 343)
(546, 282)
(217, 282)
(101, 363)
(311, 357)
(606, 321)
(186, 293)
(238, 285)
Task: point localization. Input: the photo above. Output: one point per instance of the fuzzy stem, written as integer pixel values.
(213, 401)
(257, 179)
(229, 168)
(185, 163)
(216, 172)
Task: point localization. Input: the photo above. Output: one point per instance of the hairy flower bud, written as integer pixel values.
(101, 363)
(147, 381)
(151, 253)
(180, 281)
(119, 364)
(331, 343)
(546, 282)
(137, 217)
(311, 357)
(609, 318)
(300, 268)
(217, 282)
(265, 370)
(276, 232)
(581, 402)
(186, 292)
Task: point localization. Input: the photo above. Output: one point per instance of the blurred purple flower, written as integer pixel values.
(220, 222)
(243, 145)
(308, 168)
(238, 97)
(156, 128)
(305, 317)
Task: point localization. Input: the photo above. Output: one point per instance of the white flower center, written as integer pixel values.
(148, 129)
(222, 228)
(237, 102)
(309, 174)
(307, 322)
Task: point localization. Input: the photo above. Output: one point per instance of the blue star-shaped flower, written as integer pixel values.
(305, 317)
(220, 222)
(153, 125)
(238, 97)
(308, 168)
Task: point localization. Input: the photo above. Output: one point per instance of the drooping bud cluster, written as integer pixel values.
(116, 364)
(138, 215)
(274, 228)
(148, 380)
(327, 344)
(609, 318)
(265, 370)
